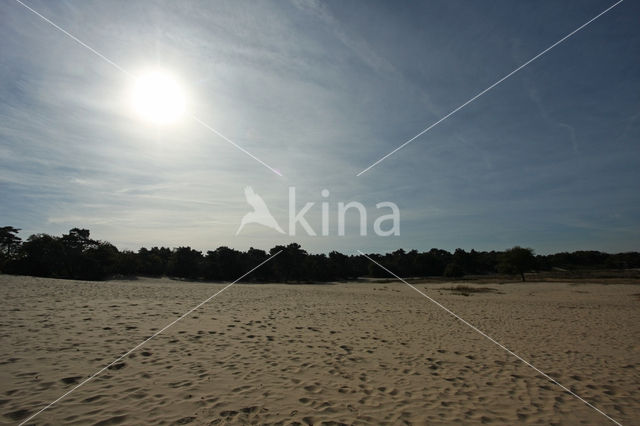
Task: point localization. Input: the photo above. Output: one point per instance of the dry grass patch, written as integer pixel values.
(465, 290)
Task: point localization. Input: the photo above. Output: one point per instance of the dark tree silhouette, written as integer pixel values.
(340, 266)
(153, 262)
(185, 262)
(78, 240)
(230, 263)
(289, 265)
(76, 255)
(9, 244)
(253, 258)
(453, 270)
(42, 255)
(517, 260)
(129, 263)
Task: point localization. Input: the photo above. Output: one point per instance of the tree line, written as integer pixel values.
(76, 255)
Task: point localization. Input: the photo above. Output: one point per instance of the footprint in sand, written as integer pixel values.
(71, 380)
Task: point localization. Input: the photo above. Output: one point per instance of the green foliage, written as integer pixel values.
(76, 255)
(453, 270)
(9, 244)
(517, 260)
(185, 263)
(42, 255)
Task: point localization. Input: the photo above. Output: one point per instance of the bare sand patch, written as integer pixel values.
(344, 353)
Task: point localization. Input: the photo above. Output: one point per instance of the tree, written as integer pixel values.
(316, 268)
(42, 255)
(223, 263)
(78, 240)
(517, 260)
(339, 266)
(185, 262)
(289, 265)
(153, 262)
(374, 270)
(76, 245)
(253, 258)
(453, 270)
(9, 244)
(98, 262)
(128, 263)
(437, 261)
(76, 255)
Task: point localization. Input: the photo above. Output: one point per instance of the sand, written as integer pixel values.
(316, 354)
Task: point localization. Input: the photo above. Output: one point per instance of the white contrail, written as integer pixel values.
(490, 87)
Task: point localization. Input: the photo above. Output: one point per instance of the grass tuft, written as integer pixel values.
(465, 290)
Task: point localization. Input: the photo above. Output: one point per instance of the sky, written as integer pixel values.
(548, 159)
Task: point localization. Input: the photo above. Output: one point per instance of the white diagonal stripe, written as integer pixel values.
(474, 328)
(119, 68)
(139, 345)
(490, 87)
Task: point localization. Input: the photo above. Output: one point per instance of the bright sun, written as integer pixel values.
(158, 97)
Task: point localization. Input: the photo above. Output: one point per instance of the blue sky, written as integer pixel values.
(320, 90)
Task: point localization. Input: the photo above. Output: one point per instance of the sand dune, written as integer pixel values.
(310, 354)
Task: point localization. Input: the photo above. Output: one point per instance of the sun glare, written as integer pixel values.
(157, 97)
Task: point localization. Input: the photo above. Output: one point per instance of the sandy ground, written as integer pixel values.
(316, 354)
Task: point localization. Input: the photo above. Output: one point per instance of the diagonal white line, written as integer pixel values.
(74, 38)
(119, 68)
(206, 126)
(139, 345)
(494, 341)
(490, 87)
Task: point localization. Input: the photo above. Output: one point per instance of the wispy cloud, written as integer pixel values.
(319, 89)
